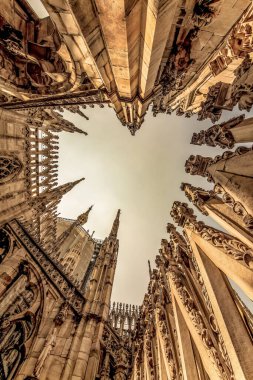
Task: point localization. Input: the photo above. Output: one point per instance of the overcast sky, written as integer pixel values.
(141, 175)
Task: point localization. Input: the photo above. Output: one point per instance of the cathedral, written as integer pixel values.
(57, 319)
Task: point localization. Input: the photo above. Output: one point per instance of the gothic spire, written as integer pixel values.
(115, 227)
(53, 195)
(64, 189)
(149, 269)
(81, 219)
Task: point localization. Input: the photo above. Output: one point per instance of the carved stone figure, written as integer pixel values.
(204, 11)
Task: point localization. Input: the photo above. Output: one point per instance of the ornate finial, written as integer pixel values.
(215, 99)
(197, 196)
(133, 127)
(218, 135)
(170, 227)
(149, 268)
(197, 165)
(182, 214)
(165, 251)
(115, 226)
(83, 218)
(177, 242)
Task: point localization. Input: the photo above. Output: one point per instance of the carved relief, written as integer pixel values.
(220, 63)
(198, 165)
(117, 355)
(241, 39)
(237, 207)
(69, 291)
(198, 322)
(162, 325)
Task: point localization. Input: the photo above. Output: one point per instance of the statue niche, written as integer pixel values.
(18, 322)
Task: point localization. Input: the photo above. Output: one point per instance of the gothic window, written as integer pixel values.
(17, 324)
(22, 302)
(10, 167)
(14, 333)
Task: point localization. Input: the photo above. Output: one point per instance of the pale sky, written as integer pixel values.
(141, 175)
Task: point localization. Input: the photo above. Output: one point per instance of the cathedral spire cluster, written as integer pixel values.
(56, 279)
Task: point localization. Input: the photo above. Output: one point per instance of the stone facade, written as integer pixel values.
(56, 279)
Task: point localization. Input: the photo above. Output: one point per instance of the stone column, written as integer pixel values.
(189, 368)
(229, 254)
(236, 338)
(198, 326)
(243, 132)
(233, 171)
(223, 208)
(165, 351)
(226, 134)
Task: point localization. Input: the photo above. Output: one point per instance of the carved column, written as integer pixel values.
(236, 338)
(198, 326)
(189, 368)
(233, 171)
(230, 255)
(229, 213)
(166, 346)
(227, 134)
